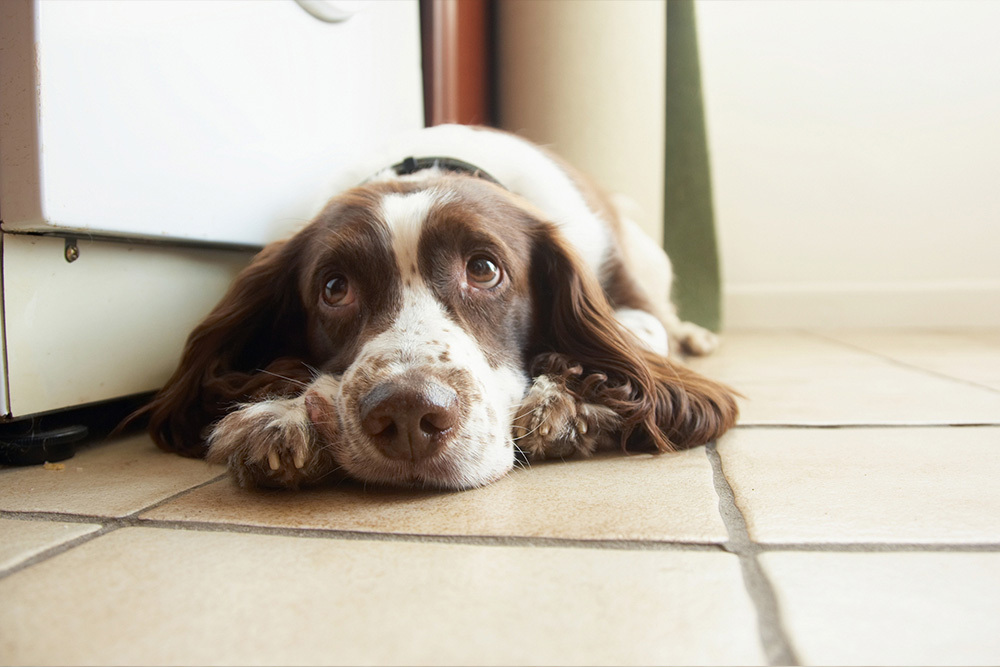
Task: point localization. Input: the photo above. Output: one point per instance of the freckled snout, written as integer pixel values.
(410, 418)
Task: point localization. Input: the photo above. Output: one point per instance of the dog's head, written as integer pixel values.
(426, 303)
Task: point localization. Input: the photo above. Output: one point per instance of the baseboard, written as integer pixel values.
(877, 305)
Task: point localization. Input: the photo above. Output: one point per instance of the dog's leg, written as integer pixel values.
(655, 281)
(280, 442)
(646, 327)
(688, 337)
(552, 422)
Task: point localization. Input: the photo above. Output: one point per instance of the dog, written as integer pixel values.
(462, 300)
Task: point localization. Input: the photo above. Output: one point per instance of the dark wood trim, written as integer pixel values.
(457, 52)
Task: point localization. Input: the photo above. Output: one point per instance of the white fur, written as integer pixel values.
(405, 216)
(646, 327)
(425, 340)
(519, 165)
(482, 449)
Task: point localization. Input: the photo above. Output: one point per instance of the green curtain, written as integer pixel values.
(689, 219)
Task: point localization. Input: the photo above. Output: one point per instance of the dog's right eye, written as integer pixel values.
(338, 292)
(483, 273)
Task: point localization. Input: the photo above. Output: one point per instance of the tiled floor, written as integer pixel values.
(852, 518)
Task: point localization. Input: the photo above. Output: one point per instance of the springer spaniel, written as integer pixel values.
(435, 320)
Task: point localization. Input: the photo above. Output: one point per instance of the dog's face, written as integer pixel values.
(398, 339)
(419, 300)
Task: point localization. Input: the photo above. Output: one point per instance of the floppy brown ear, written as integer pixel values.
(664, 404)
(250, 344)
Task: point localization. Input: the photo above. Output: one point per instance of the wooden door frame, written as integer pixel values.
(457, 61)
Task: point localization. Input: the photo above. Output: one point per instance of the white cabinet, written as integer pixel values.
(112, 323)
(211, 121)
(198, 126)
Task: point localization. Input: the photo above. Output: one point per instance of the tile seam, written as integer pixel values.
(60, 548)
(51, 515)
(481, 540)
(774, 640)
(903, 364)
(175, 496)
(133, 521)
(502, 540)
(108, 524)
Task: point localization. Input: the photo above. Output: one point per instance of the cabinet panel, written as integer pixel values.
(110, 324)
(207, 121)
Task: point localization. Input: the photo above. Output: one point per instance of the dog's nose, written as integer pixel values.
(409, 419)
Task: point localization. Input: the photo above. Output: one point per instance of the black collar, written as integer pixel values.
(412, 165)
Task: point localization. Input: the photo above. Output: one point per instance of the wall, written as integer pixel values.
(588, 79)
(855, 152)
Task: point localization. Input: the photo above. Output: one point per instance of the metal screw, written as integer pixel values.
(72, 251)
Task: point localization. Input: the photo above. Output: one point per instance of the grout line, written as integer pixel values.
(179, 494)
(133, 521)
(107, 525)
(60, 548)
(774, 640)
(900, 362)
(62, 517)
(477, 540)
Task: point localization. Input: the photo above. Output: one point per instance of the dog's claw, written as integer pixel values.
(299, 460)
(273, 460)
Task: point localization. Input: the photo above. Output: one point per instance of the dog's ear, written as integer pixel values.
(250, 344)
(663, 404)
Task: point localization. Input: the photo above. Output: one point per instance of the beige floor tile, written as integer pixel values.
(142, 595)
(113, 478)
(905, 485)
(639, 497)
(966, 355)
(989, 337)
(20, 540)
(889, 608)
(791, 378)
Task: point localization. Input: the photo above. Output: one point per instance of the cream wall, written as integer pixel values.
(855, 152)
(587, 79)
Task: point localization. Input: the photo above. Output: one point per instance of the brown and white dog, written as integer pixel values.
(433, 321)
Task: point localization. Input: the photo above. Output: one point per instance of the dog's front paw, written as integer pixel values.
(553, 423)
(271, 444)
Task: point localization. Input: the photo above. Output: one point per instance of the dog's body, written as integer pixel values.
(435, 318)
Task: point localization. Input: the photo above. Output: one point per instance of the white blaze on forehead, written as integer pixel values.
(405, 215)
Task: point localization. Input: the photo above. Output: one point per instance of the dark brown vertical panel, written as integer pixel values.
(457, 56)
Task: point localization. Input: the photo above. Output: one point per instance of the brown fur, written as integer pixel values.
(249, 345)
(663, 403)
(271, 334)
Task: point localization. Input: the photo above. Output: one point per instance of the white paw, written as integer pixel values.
(551, 423)
(695, 340)
(270, 443)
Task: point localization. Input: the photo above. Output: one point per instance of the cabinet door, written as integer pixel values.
(111, 323)
(204, 121)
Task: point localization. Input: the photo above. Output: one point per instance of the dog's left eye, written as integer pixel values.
(482, 272)
(338, 292)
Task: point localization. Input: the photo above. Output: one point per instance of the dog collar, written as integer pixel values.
(412, 165)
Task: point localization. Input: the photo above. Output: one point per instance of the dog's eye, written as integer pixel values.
(482, 272)
(337, 292)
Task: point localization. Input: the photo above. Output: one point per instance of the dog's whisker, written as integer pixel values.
(283, 377)
(527, 433)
